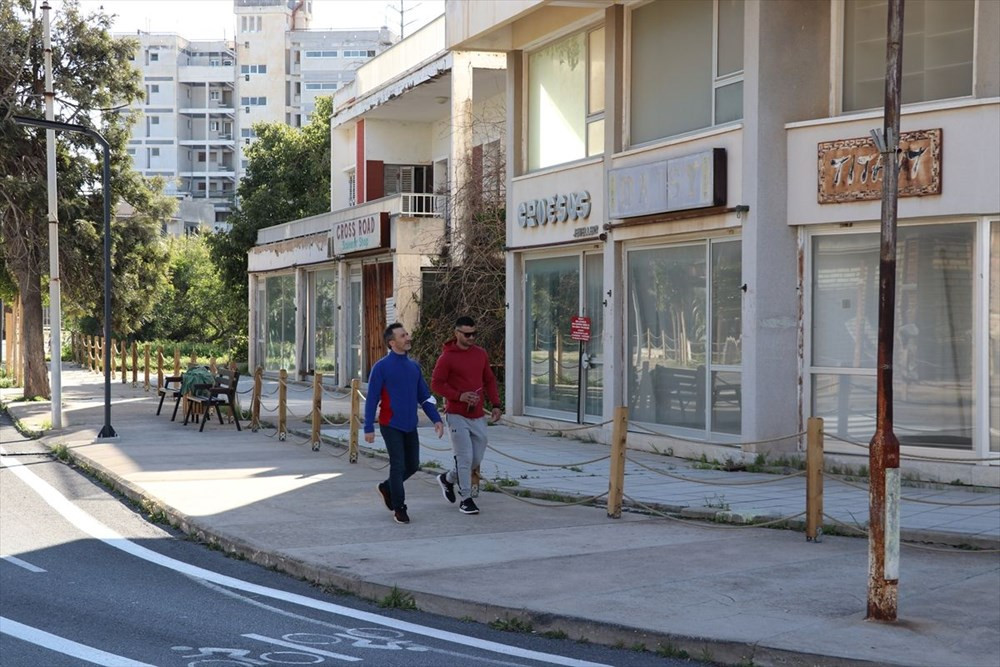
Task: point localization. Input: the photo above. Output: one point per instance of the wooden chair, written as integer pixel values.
(219, 394)
(171, 385)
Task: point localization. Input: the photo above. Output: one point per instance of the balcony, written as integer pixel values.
(220, 171)
(408, 204)
(211, 110)
(206, 73)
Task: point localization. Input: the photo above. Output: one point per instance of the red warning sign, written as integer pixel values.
(579, 329)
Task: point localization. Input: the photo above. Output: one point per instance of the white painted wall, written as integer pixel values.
(396, 142)
(970, 138)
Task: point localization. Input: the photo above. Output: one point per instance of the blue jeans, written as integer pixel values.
(404, 460)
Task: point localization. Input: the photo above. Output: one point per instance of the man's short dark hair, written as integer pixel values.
(465, 321)
(390, 332)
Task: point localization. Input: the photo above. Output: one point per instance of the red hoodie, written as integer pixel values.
(458, 371)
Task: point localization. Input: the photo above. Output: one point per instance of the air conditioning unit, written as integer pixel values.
(247, 109)
(246, 77)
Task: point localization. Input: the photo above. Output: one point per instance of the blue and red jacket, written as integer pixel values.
(397, 386)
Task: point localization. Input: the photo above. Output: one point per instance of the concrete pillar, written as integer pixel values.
(460, 155)
(514, 349)
(780, 86)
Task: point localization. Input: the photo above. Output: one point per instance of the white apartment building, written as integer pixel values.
(323, 289)
(186, 132)
(697, 180)
(203, 97)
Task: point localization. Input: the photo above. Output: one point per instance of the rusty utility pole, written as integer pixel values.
(883, 493)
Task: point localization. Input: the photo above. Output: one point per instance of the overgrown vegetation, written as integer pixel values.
(397, 599)
(468, 274)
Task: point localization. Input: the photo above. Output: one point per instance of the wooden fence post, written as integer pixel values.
(616, 480)
(100, 354)
(124, 360)
(211, 365)
(91, 354)
(814, 479)
(135, 364)
(258, 375)
(145, 366)
(282, 403)
(194, 358)
(177, 360)
(159, 365)
(352, 448)
(317, 409)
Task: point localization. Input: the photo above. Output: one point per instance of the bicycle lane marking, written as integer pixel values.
(88, 524)
(303, 648)
(65, 646)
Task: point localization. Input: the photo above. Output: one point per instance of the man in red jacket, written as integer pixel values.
(463, 376)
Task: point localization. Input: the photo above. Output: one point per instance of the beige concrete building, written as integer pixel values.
(696, 180)
(323, 288)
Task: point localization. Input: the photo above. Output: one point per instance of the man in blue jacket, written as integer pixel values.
(397, 386)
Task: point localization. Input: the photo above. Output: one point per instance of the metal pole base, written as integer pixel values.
(107, 432)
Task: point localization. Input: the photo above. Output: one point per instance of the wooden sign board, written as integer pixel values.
(851, 169)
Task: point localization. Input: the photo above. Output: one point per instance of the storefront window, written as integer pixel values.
(566, 100)
(937, 51)
(932, 378)
(668, 334)
(325, 321)
(677, 84)
(552, 297)
(280, 343)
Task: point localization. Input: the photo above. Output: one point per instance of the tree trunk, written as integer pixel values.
(36, 378)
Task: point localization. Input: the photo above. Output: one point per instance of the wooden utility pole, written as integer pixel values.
(883, 487)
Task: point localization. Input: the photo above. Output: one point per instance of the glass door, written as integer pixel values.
(354, 356)
(564, 378)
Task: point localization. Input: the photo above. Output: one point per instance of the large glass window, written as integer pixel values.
(678, 83)
(280, 323)
(932, 365)
(324, 309)
(566, 100)
(937, 51)
(684, 364)
(552, 298)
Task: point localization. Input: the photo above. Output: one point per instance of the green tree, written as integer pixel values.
(288, 177)
(195, 305)
(94, 84)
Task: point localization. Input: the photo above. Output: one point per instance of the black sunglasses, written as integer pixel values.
(467, 334)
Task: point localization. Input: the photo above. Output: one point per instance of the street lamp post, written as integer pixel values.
(107, 431)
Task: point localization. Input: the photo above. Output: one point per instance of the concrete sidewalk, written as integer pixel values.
(721, 592)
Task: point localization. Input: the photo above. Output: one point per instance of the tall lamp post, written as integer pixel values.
(107, 431)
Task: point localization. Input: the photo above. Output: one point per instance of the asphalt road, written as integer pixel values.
(85, 579)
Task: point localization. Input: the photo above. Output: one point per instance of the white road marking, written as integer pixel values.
(66, 646)
(98, 530)
(21, 563)
(304, 649)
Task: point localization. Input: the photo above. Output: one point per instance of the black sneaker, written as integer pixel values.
(400, 515)
(467, 506)
(447, 488)
(383, 491)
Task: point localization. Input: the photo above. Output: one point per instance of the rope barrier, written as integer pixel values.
(547, 503)
(776, 478)
(336, 394)
(547, 465)
(332, 423)
(717, 444)
(555, 429)
(916, 457)
(664, 515)
(917, 500)
(363, 397)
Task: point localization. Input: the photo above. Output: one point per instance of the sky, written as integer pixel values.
(214, 19)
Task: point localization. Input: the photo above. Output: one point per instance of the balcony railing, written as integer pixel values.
(418, 204)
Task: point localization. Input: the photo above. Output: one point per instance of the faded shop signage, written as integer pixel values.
(550, 210)
(852, 169)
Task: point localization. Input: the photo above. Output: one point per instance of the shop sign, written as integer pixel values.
(349, 236)
(579, 329)
(678, 184)
(552, 210)
(852, 169)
